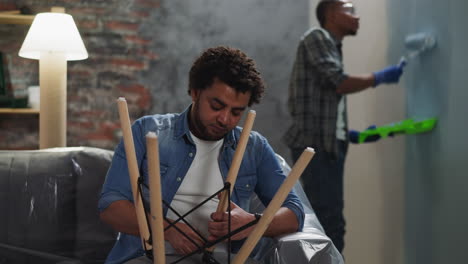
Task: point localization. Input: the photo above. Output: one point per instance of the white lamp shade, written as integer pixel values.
(53, 33)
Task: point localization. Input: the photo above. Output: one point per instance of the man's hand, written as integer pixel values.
(179, 242)
(219, 226)
(391, 74)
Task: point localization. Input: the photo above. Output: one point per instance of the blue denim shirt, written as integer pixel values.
(260, 171)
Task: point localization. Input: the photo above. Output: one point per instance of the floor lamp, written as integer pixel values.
(53, 39)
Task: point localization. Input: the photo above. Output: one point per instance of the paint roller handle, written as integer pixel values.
(403, 62)
(390, 74)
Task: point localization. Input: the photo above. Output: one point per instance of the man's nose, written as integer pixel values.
(223, 117)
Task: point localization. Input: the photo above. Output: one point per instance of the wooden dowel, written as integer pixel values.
(237, 159)
(157, 227)
(133, 170)
(274, 206)
(236, 162)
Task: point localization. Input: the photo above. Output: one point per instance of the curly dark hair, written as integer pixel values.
(229, 65)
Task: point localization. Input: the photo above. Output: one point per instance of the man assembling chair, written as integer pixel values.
(196, 150)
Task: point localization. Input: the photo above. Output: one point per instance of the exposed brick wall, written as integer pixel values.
(118, 57)
(19, 131)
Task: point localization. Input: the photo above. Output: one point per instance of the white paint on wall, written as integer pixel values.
(374, 172)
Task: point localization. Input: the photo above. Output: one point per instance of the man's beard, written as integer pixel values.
(202, 130)
(353, 31)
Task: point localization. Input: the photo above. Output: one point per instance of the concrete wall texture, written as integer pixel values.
(143, 49)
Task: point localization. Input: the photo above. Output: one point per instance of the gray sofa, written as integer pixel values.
(49, 203)
(48, 200)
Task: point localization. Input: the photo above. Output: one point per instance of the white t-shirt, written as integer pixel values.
(203, 179)
(340, 120)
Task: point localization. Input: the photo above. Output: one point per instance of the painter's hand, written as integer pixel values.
(219, 226)
(390, 74)
(353, 136)
(179, 242)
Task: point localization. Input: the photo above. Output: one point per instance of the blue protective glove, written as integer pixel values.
(353, 136)
(390, 74)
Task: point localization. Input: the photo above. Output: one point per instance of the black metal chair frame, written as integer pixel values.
(207, 255)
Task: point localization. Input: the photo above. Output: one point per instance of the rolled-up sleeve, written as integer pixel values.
(271, 177)
(117, 184)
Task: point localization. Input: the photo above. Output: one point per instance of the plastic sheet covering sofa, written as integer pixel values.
(309, 246)
(49, 203)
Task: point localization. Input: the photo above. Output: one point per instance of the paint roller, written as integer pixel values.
(418, 43)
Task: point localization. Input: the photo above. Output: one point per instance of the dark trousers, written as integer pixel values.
(322, 181)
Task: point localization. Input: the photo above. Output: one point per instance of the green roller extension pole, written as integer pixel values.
(408, 126)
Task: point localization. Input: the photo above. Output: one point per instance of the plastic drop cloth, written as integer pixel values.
(310, 246)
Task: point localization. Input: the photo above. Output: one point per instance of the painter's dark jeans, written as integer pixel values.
(323, 183)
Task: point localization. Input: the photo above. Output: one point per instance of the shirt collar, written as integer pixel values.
(335, 39)
(181, 128)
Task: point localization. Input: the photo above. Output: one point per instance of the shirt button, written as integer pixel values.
(179, 179)
(190, 154)
(247, 185)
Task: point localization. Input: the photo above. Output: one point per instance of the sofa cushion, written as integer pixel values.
(38, 198)
(50, 201)
(94, 239)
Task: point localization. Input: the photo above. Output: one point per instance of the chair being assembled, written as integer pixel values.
(310, 246)
(151, 231)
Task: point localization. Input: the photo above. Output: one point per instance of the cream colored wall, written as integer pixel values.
(374, 172)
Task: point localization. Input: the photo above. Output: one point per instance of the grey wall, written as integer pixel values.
(436, 178)
(268, 31)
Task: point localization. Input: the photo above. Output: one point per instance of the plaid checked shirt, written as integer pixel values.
(313, 100)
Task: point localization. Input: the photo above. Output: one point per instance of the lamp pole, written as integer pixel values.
(53, 97)
(53, 93)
